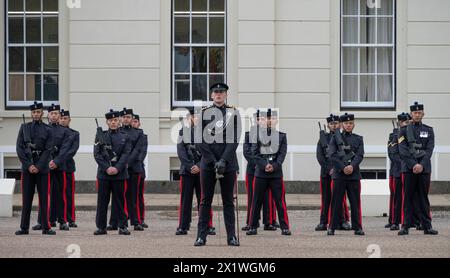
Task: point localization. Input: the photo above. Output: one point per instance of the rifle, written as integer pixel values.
(395, 126)
(414, 147)
(105, 143)
(323, 138)
(344, 152)
(30, 148)
(193, 153)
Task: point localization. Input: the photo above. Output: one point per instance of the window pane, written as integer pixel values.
(386, 7)
(15, 30)
(15, 5)
(199, 33)
(181, 5)
(33, 59)
(367, 60)
(50, 5)
(50, 87)
(50, 29)
(33, 30)
(34, 87)
(367, 92)
(350, 88)
(367, 30)
(199, 59)
(182, 59)
(16, 59)
(182, 88)
(385, 88)
(367, 9)
(51, 59)
(217, 5)
(350, 60)
(16, 88)
(199, 87)
(350, 7)
(33, 5)
(216, 30)
(350, 30)
(216, 60)
(384, 60)
(213, 79)
(385, 30)
(199, 5)
(181, 30)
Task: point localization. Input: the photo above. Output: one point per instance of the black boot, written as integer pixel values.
(388, 225)
(21, 232)
(245, 228)
(275, 224)
(394, 227)
(251, 232)
(138, 228)
(269, 228)
(144, 225)
(403, 231)
(37, 227)
(330, 232)
(48, 232)
(181, 232)
(346, 226)
(124, 231)
(211, 231)
(232, 241)
(63, 227)
(321, 227)
(73, 225)
(200, 242)
(359, 232)
(111, 228)
(285, 232)
(430, 232)
(100, 232)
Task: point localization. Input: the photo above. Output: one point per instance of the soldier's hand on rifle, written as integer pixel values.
(331, 172)
(112, 171)
(348, 170)
(33, 169)
(195, 170)
(52, 165)
(221, 166)
(269, 168)
(417, 169)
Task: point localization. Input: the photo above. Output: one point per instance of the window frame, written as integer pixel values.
(23, 104)
(361, 105)
(183, 104)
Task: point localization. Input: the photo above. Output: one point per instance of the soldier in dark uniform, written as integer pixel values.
(111, 152)
(268, 206)
(70, 168)
(61, 145)
(33, 149)
(346, 150)
(221, 131)
(416, 145)
(326, 172)
(140, 168)
(269, 153)
(190, 157)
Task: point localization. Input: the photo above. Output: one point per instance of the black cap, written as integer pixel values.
(126, 111)
(221, 87)
(53, 107)
(333, 118)
(136, 117)
(65, 113)
(403, 117)
(36, 106)
(112, 114)
(416, 107)
(347, 117)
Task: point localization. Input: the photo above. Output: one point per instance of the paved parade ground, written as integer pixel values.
(159, 240)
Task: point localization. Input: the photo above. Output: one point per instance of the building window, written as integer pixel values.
(198, 49)
(32, 49)
(368, 53)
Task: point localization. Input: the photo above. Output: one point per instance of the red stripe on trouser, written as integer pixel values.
(321, 197)
(181, 201)
(393, 201)
(73, 197)
(125, 206)
(283, 201)
(403, 199)
(360, 210)
(21, 189)
(253, 198)
(48, 201)
(138, 210)
(96, 184)
(64, 195)
(143, 199)
(248, 199)
(330, 207)
(270, 206)
(210, 218)
(345, 208)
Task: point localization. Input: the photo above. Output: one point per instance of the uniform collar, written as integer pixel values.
(418, 123)
(127, 126)
(220, 107)
(113, 131)
(347, 133)
(54, 124)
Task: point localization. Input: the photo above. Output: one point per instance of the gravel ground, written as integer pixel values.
(159, 240)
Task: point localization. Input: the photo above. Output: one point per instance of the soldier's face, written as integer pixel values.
(262, 122)
(219, 97)
(417, 116)
(53, 116)
(127, 119)
(348, 126)
(272, 122)
(36, 115)
(136, 123)
(113, 123)
(194, 120)
(64, 121)
(333, 126)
